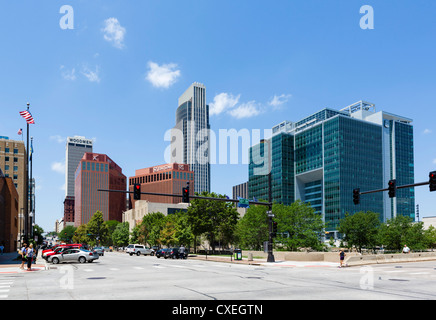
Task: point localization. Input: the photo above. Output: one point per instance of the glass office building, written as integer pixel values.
(190, 136)
(323, 157)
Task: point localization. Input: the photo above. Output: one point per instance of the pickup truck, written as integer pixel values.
(139, 249)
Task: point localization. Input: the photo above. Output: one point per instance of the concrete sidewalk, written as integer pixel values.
(263, 262)
(10, 264)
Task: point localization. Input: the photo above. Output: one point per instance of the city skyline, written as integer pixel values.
(115, 77)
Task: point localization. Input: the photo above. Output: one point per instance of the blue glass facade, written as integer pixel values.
(322, 158)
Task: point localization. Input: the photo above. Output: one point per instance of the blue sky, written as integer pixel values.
(116, 77)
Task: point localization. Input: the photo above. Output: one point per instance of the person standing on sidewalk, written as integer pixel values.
(29, 257)
(22, 252)
(341, 257)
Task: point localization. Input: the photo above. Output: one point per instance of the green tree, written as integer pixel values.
(394, 234)
(38, 231)
(111, 225)
(360, 229)
(66, 235)
(430, 237)
(298, 226)
(80, 235)
(216, 219)
(120, 236)
(149, 230)
(183, 229)
(252, 228)
(97, 230)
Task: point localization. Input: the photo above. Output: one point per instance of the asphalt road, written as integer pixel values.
(118, 276)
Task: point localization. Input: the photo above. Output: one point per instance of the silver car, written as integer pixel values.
(73, 255)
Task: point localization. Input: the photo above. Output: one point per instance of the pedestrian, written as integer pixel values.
(182, 252)
(406, 249)
(22, 252)
(1, 248)
(29, 257)
(341, 257)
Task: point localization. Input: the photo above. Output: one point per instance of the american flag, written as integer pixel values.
(20, 132)
(26, 115)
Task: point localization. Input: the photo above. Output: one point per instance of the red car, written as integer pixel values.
(59, 248)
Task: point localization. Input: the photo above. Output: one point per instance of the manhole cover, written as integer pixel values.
(96, 278)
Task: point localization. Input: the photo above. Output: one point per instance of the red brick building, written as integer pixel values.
(167, 178)
(9, 202)
(98, 171)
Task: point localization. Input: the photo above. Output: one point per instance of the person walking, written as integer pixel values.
(406, 249)
(182, 252)
(341, 257)
(22, 252)
(1, 248)
(29, 257)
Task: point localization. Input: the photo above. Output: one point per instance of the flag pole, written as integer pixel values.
(26, 187)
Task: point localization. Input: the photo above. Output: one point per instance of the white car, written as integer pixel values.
(139, 249)
(72, 255)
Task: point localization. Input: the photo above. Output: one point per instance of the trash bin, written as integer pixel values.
(237, 254)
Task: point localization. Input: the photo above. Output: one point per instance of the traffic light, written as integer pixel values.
(392, 186)
(432, 181)
(356, 196)
(137, 191)
(185, 194)
(274, 229)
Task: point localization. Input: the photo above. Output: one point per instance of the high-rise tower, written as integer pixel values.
(75, 149)
(190, 136)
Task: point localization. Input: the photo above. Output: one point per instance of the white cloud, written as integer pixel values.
(277, 101)
(246, 110)
(68, 74)
(58, 138)
(434, 161)
(91, 75)
(58, 167)
(222, 102)
(114, 32)
(162, 76)
(427, 131)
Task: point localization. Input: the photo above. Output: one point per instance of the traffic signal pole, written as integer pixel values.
(269, 212)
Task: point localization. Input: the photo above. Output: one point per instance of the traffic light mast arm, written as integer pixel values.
(190, 197)
(398, 187)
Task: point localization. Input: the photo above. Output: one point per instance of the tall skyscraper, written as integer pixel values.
(323, 157)
(75, 149)
(97, 171)
(190, 137)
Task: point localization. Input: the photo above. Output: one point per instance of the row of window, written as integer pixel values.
(7, 150)
(7, 159)
(162, 176)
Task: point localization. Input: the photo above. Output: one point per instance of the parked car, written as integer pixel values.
(172, 253)
(161, 252)
(99, 250)
(139, 249)
(73, 255)
(59, 249)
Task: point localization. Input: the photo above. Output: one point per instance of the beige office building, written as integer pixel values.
(143, 207)
(13, 164)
